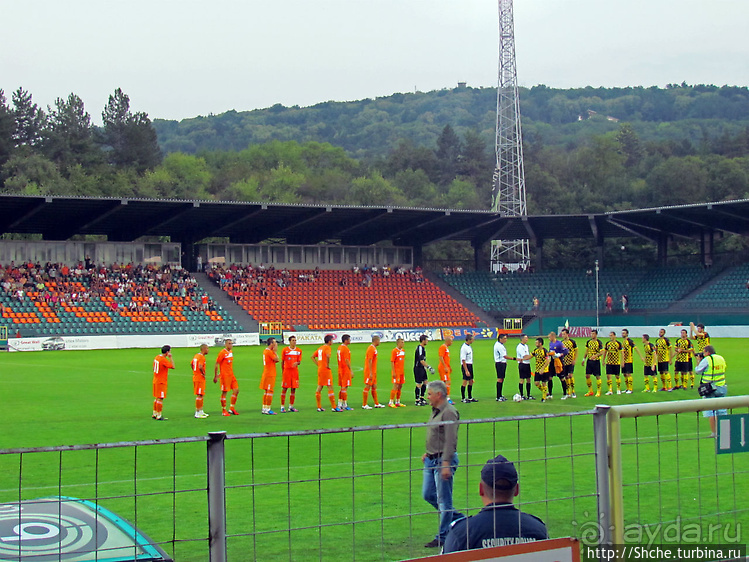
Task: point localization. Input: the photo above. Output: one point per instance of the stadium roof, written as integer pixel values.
(123, 219)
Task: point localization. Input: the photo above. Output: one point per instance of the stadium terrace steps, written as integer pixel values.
(486, 318)
(575, 290)
(338, 300)
(725, 291)
(245, 322)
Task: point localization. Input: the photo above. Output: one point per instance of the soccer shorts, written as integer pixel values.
(229, 383)
(663, 366)
(159, 389)
(649, 371)
(399, 378)
(524, 370)
(420, 374)
(198, 386)
(444, 375)
(325, 378)
(689, 364)
(569, 370)
(593, 368)
(541, 377)
(290, 379)
(613, 370)
(344, 380)
(267, 382)
(371, 379)
(682, 367)
(501, 368)
(468, 376)
(628, 369)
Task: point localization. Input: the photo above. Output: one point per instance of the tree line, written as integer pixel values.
(589, 164)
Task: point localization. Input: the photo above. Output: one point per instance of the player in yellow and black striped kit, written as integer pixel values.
(568, 361)
(649, 361)
(663, 352)
(612, 354)
(701, 339)
(592, 360)
(628, 347)
(541, 371)
(683, 369)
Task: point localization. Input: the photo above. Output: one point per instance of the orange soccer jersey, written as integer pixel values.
(444, 353)
(398, 359)
(268, 379)
(290, 359)
(344, 366)
(198, 373)
(161, 366)
(225, 362)
(324, 373)
(370, 366)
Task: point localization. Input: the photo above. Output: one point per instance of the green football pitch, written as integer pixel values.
(342, 494)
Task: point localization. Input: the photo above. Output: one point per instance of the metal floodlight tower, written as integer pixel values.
(508, 184)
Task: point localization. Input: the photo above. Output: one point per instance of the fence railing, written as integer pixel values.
(355, 493)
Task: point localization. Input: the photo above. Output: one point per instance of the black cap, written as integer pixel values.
(499, 473)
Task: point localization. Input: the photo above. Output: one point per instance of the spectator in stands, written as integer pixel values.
(536, 304)
(625, 303)
(609, 303)
(500, 522)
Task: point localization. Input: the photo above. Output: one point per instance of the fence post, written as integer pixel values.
(216, 497)
(601, 446)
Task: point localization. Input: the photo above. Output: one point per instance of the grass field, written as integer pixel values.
(342, 494)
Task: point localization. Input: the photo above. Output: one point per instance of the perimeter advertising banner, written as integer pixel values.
(68, 343)
(73, 530)
(363, 336)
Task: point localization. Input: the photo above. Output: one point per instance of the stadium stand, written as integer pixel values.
(359, 299)
(57, 300)
(571, 290)
(730, 290)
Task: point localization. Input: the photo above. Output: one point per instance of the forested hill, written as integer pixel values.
(371, 128)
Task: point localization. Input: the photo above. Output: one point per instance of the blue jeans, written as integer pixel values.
(719, 392)
(438, 492)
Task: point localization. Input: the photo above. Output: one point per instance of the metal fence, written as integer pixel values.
(355, 493)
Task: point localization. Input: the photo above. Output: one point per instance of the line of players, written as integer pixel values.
(561, 357)
(617, 356)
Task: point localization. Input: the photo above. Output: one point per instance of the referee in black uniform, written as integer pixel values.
(420, 370)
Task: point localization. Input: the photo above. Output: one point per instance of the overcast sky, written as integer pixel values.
(182, 58)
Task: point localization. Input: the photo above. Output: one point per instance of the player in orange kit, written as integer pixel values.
(198, 380)
(344, 372)
(291, 358)
(268, 379)
(225, 367)
(161, 365)
(370, 375)
(397, 373)
(321, 358)
(444, 369)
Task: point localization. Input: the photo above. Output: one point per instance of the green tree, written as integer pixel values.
(32, 174)
(7, 127)
(29, 119)
(130, 137)
(70, 135)
(630, 143)
(180, 176)
(448, 153)
(374, 190)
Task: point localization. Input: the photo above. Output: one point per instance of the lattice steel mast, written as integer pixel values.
(508, 186)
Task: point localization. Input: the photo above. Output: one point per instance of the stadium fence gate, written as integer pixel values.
(355, 493)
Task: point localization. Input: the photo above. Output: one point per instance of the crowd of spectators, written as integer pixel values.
(58, 284)
(238, 280)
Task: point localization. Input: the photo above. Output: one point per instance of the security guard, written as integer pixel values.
(713, 370)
